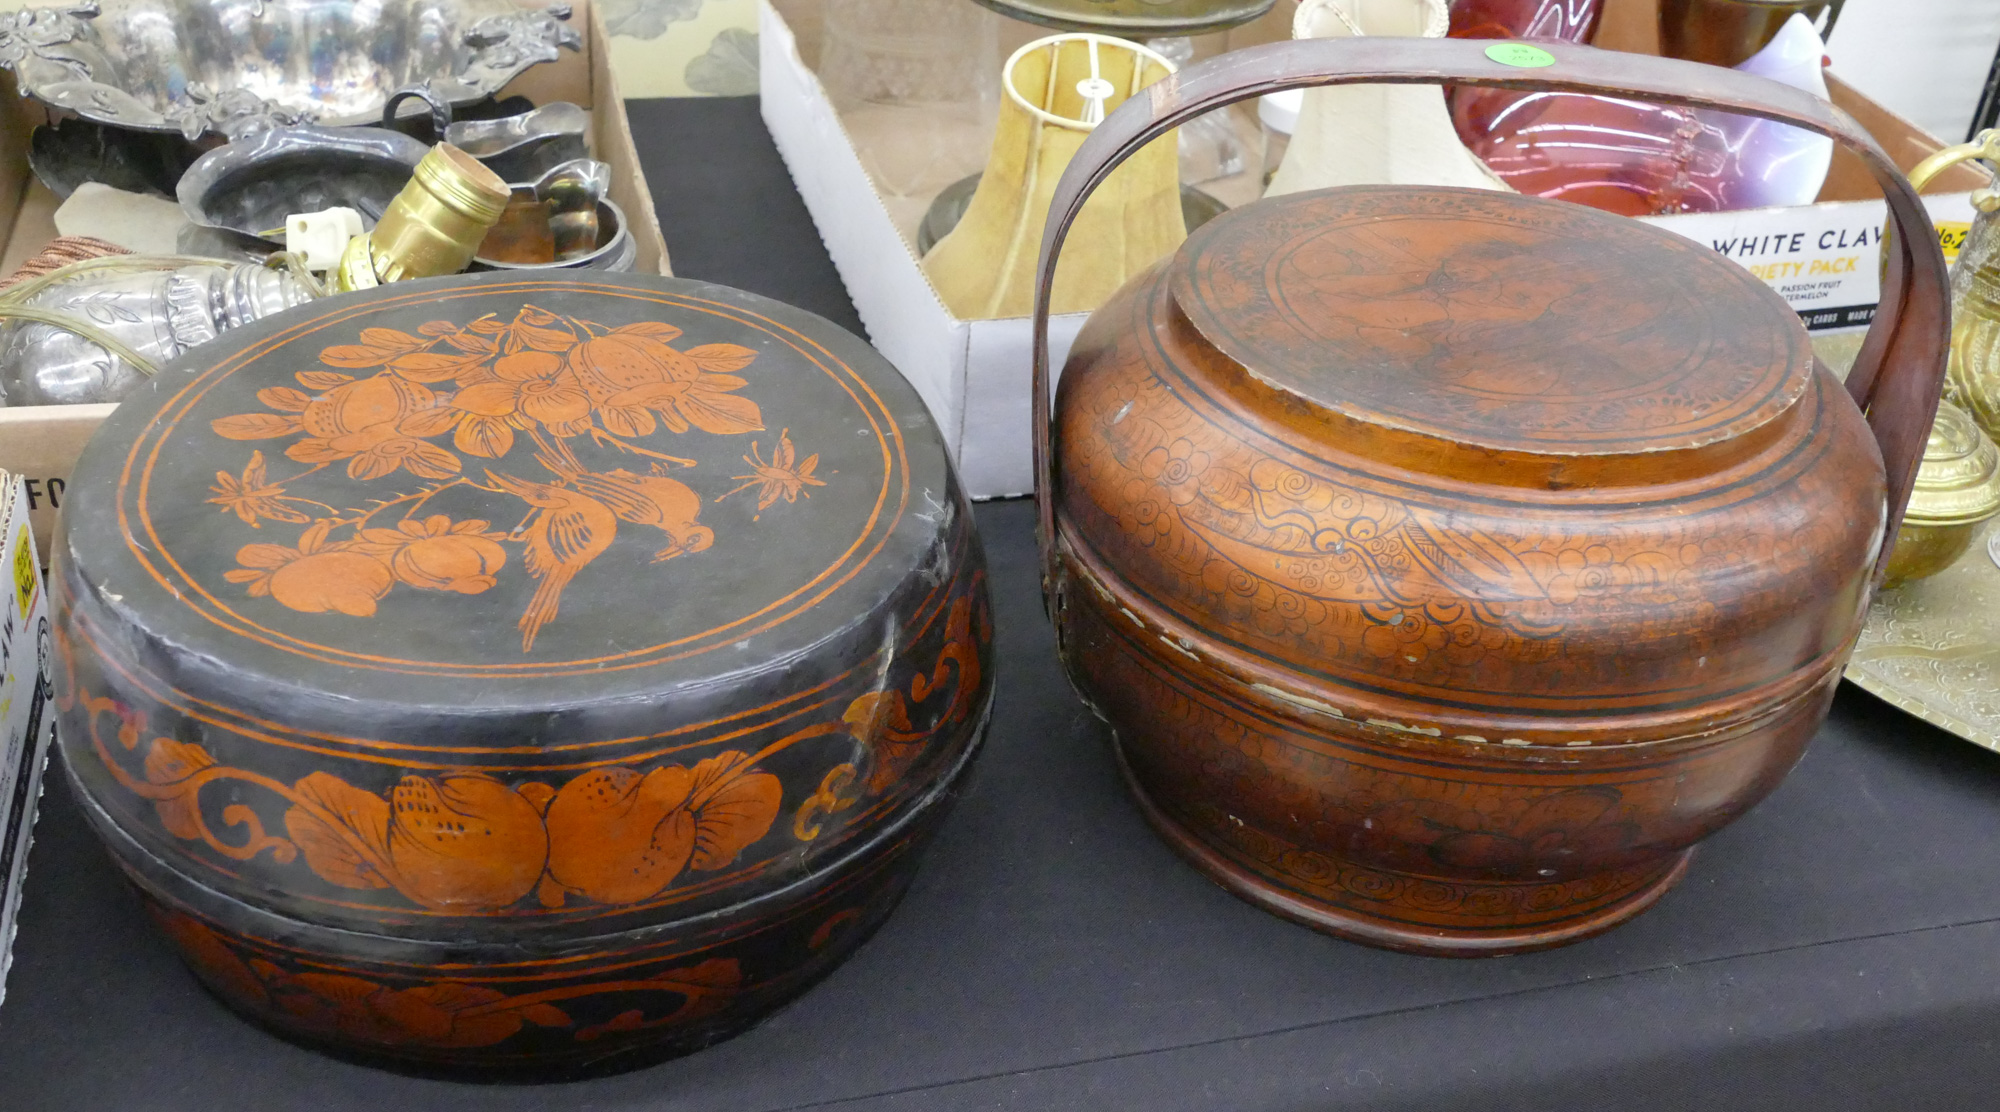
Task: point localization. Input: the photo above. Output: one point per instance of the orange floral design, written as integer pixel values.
(473, 844)
(619, 837)
(449, 1014)
(358, 421)
(881, 719)
(483, 384)
(521, 389)
(436, 554)
(631, 374)
(440, 1015)
(460, 843)
(315, 577)
(253, 496)
(778, 478)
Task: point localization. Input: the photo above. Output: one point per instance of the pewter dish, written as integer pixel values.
(524, 147)
(239, 66)
(252, 185)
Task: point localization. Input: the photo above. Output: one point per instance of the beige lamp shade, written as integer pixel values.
(1053, 93)
(1376, 134)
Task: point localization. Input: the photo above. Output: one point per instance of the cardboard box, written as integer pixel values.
(974, 374)
(27, 718)
(41, 443)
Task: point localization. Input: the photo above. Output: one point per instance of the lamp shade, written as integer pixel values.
(1375, 134)
(1054, 92)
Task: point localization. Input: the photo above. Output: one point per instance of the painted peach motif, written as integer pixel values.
(361, 422)
(436, 554)
(314, 577)
(462, 843)
(524, 388)
(619, 837)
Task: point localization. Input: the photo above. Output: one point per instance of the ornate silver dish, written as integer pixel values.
(524, 147)
(251, 185)
(241, 66)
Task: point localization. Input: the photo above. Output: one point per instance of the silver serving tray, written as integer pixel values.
(240, 66)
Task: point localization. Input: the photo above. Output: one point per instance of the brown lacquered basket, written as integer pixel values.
(1448, 563)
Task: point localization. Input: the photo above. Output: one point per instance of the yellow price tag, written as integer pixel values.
(1951, 237)
(24, 570)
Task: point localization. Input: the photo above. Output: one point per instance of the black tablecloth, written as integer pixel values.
(1838, 948)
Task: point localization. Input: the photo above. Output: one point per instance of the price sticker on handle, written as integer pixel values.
(1520, 55)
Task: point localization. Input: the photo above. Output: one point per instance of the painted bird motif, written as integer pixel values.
(668, 505)
(566, 530)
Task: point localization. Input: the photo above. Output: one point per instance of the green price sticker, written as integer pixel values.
(1520, 55)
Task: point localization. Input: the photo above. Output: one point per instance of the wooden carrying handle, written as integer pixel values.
(1897, 378)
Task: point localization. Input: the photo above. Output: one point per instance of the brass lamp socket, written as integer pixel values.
(435, 224)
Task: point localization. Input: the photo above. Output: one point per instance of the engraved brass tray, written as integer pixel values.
(1932, 647)
(239, 66)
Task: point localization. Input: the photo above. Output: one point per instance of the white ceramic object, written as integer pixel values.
(320, 237)
(1376, 134)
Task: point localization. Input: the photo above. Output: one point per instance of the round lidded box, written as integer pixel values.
(1448, 562)
(520, 675)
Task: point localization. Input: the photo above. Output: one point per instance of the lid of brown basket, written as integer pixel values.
(1493, 320)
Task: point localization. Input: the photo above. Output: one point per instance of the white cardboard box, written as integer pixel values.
(1824, 258)
(27, 720)
(974, 374)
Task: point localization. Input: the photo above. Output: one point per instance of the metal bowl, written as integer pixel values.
(617, 250)
(241, 66)
(252, 185)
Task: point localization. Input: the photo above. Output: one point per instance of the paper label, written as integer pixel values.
(1951, 237)
(1520, 55)
(1824, 259)
(26, 575)
(27, 716)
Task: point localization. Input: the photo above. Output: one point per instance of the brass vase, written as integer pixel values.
(1973, 379)
(1957, 490)
(1729, 32)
